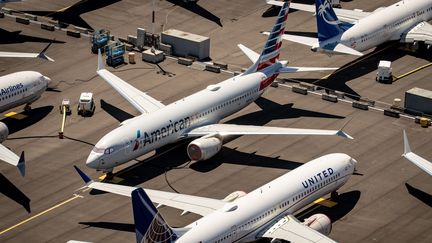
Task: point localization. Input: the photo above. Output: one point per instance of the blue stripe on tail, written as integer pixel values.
(149, 224)
(328, 23)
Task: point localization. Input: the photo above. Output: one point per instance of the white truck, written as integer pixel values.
(384, 73)
(86, 106)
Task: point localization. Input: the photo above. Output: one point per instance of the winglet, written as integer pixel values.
(42, 55)
(85, 178)
(21, 164)
(407, 148)
(100, 61)
(343, 134)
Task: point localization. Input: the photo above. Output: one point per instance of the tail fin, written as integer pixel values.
(328, 23)
(270, 53)
(149, 224)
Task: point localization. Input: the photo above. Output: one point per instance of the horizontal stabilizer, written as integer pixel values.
(306, 69)
(253, 56)
(340, 48)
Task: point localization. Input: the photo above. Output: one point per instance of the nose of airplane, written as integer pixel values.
(93, 161)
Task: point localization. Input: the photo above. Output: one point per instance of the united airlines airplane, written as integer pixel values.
(17, 89)
(197, 115)
(422, 163)
(266, 212)
(358, 31)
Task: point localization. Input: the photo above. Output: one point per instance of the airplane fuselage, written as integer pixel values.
(387, 24)
(145, 133)
(21, 88)
(247, 217)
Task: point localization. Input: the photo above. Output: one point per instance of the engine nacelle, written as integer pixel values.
(234, 196)
(204, 148)
(4, 132)
(320, 223)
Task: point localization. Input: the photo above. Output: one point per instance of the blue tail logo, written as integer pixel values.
(329, 26)
(149, 225)
(326, 12)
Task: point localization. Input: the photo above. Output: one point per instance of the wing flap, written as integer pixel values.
(290, 229)
(231, 129)
(194, 204)
(140, 100)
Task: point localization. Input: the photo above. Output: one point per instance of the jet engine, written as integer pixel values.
(204, 148)
(234, 196)
(4, 132)
(320, 223)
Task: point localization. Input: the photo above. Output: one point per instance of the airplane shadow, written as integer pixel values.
(25, 119)
(8, 189)
(117, 113)
(271, 110)
(357, 68)
(345, 203)
(426, 198)
(197, 9)
(12, 37)
(71, 15)
(110, 225)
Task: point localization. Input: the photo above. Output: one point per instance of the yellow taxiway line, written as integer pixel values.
(413, 71)
(43, 212)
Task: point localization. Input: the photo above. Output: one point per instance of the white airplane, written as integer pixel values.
(405, 21)
(197, 115)
(40, 55)
(266, 212)
(422, 163)
(17, 89)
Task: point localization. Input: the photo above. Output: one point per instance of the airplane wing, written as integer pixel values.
(10, 157)
(40, 55)
(422, 163)
(420, 32)
(230, 129)
(140, 100)
(290, 229)
(194, 204)
(346, 15)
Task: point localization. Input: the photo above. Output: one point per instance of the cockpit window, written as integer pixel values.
(108, 150)
(98, 150)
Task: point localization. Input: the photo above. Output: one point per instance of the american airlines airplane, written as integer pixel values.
(358, 31)
(40, 55)
(197, 115)
(17, 89)
(266, 212)
(422, 163)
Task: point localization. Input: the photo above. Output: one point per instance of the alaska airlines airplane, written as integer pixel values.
(266, 212)
(405, 21)
(17, 89)
(422, 163)
(197, 115)
(40, 55)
